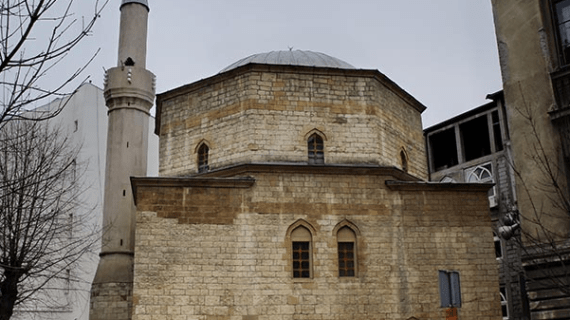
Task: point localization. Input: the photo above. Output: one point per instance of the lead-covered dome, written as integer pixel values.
(143, 2)
(293, 58)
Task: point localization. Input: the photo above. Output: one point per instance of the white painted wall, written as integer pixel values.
(85, 120)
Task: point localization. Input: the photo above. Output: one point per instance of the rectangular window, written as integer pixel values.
(301, 260)
(475, 138)
(449, 289)
(443, 149)
(346, 259)
(497, 131)
(562, 20)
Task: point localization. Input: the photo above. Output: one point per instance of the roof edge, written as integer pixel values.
(373, 73)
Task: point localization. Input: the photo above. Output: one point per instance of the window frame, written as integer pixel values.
(562, 60)
(345, 235)
(315, 156)
(203, 157)
(296, 235)
(449, 289)
(345, 271)
(298, 273)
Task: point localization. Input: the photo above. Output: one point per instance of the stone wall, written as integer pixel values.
(267, 114)
(238, 267)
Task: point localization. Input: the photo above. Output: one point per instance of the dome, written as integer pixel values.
(292, 58)
(143, 2)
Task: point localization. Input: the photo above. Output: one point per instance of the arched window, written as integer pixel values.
(203, 151)
(447, 179)
(346, 252)
(316, 149)
(404, 160)
(301, 249)
(483, 174)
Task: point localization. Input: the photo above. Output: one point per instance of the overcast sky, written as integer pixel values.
(443, 52)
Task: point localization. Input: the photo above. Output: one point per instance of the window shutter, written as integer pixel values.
(455, 289)
(444, 293)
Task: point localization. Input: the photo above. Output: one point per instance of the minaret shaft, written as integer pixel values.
(129, 95)
(133, 35)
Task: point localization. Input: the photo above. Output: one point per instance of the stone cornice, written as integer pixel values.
(303, 168)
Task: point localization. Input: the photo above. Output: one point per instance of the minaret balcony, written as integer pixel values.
(130, 82)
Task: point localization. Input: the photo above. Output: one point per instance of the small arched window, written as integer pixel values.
(316, 149)
(301, 249)
(203, 151)
(346, 252)
(404, 160)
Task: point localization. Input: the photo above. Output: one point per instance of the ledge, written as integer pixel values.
(185, 182)
(437, 186)
(304, 168)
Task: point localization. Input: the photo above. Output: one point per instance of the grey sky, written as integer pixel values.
(443, 52)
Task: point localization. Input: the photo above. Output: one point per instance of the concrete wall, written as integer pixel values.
(528, 57)
(535, 82)
(206, 251)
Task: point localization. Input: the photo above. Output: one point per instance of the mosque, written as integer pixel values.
(291, 185)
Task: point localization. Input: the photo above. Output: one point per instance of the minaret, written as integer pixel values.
(129, 95)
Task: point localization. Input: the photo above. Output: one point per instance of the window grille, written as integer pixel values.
(346, 252)
(301, 252)
(346, 259)
(203, 158)
(301, 260)
(316, 149)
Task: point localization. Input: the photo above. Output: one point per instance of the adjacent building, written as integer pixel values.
(533, 39)
(475, 147)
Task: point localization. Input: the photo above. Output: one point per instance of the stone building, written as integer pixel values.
(533, 40)
(475, 147)
(292, 186)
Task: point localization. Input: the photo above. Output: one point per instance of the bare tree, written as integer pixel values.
(543, 238)
(35, 38)
(42, 238)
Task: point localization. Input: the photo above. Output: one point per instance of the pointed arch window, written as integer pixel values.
(404, 160)
(346, 252)
(302, 252)
(483, 174)
(316, 149)
(203, 155)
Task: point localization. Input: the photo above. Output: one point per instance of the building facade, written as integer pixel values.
(293, 186)
(475, 147)
(532, 38)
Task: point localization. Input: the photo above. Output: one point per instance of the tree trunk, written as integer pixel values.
(8, 294)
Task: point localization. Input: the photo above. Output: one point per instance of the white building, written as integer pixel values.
(85, 120)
